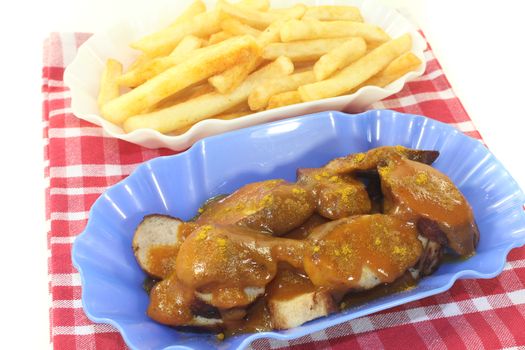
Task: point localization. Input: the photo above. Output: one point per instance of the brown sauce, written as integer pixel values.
(336, 196)
(257, 319)
(161, 259)
(230, 262)
(170, 302)
(305, 229)
(342, 249)
(273, 206)
(289, 283)
(417, 190)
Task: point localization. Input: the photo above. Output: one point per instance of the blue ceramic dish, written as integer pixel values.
(177, 185)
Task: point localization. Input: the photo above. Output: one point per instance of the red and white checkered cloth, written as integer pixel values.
(81, 163)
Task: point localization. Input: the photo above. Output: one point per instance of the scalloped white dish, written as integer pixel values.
(177, 185)
(82, 76)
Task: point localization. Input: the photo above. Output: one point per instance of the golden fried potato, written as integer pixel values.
(405, 63)
(284, 99)
(218, 37)
(236, 27)
(358, 72)
(228, 80)
(164, 41)
(188, 44)
(261, 5)
(334, 13)
(339, 57)
(191, 11)
(109, 87)
(304, 50)
(309, 28)
(207, 105)
(215, 59)
(250, 16)
(260, 96)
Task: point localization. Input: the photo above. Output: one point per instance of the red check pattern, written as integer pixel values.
(81, 162)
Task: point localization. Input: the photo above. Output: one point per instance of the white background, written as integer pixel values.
(479, 44)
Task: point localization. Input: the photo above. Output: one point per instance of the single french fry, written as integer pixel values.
(239, 108)
(260, 96)
(208, 105)
(155, 66)
(272, 33)
(236, 27)
(225, 116)
(215, 59)
(228, 116)
(259, 19)
(109, 87)
(140, 60)
(304, 50)
(228, 80)
(182, 96)
(218, 37)
(309, 28)
(191, 11)
(334, 13)
(284, 99)
(164, 41)
(188, 44)
(250, 16)
(405, 63)
(261, 5)
(339, 57)
(357, 72)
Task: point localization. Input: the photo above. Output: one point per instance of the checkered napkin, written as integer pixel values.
(81, 162)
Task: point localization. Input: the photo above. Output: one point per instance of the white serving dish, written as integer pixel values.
(83, 74)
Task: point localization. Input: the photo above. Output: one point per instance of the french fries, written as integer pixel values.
(334, 13)
(207, 105)
(224, 116)
(304, 50)
(339, 57)
(164, 41)
(260, 96)
(182, 96)
(228, 80)
(405, 63)
(252, 17)
(188, 44)
(358, 72)
(261, 5)
(109, 87)
(155, 66)
(309, 28)
(284, 99)
(242, 56)
(140, 60)
(236, 27)
(194, 9)
(216, 59)
(218, 37)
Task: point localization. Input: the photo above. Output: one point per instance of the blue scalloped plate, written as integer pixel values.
(177, 185)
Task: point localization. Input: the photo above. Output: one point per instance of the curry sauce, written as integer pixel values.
(283, 242)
